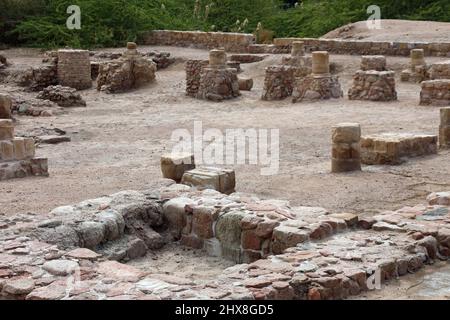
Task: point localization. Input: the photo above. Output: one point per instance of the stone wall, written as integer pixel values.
(373, 85)
(440, 70)
(435, 92)
(232, 42)
(392, 148)
(193, 72)
(278, 82)
(366, 47)
(74, 69)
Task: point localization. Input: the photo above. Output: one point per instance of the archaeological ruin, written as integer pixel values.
(108, 194)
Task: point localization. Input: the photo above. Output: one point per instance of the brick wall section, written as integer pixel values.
(74, 69)
(232, 42)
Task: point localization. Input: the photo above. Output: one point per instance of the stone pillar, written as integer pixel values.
(320, 63)
(444, 128)
(417, 58)
(131, 49)
(5, 107)
(74, 69)
(6, 130)
(377, 63)
(298, 49)
(217, 58)
(346, 148)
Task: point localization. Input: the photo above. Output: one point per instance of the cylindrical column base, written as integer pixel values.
(320, 62)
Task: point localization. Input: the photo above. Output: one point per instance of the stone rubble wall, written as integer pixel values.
(74, 69)
(217, 84)
(392, 148)
(193, 74)
(440, 70)
(300, 258)
(62, 96)
(444, 128)
(373, 85)
(317, 87)
(231, 42)
(435, 92)
(278, 82)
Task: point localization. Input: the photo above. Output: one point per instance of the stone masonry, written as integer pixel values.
(346, 149)
(62, 96)
(217, 81)
(173, 166)
(298, 60)
(278, 82)
(373, 82)
(440, 70)
(130, 71)
(320, 84)
(393, 148)
(289, 252)
(418, 70)
(74, 69)
(219, 179)
(435, 92)
(193, 72)
(17, 155)
(444, 128)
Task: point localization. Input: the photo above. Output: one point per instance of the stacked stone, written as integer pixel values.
(418, 70)
(193, 73)
(174, 166)
(298, 60)
(17, 155)
(444, 128)
(440, 70)
(320, 84)
(62, 96)
(74, 69)
(126, 73)
(217, 81)
(392, 148)
(373, 82)
(5, 107)
(435, 92)
(346, 149)
(278, 82)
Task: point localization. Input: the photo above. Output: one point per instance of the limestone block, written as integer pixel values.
(74, 69)
(417, 58)
(217, 58)
(222, 180)
(392, 148)
(245, 84)
(173, 166)
(298, 49)
(320, 62)
(5, 107)
(6, 151)
(30, 148)
(19, 148)
(6, 130)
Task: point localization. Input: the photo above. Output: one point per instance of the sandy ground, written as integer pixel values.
(394, 30)
(118, 139)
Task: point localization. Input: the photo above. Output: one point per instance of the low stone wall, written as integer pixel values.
(278, 82)
(232, 42)
(193, 74)
(392, 148)
(373, 85)
(435, 92)
(366, 47)
(440, 70)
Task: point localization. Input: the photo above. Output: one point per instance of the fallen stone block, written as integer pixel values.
(173, 166)
(222, 180)
(245, 84)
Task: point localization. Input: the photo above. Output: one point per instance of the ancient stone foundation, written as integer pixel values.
(444, 128)
(193, 72)
(435, 92)
(278, 82)
(393, 148)
(373, 85)
(346, 150)
(5, 107)
(418, 70)
(129, 72)
(17, 155)
(174, 166)
(219, 179)
(74, 69)
(320, 84)
(217, 81)
(377, 63)
(298, 60)
(440, 70)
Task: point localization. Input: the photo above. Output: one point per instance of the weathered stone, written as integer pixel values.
(5, 107)
(286, 237)
(222, 180)
(444, 128)
(435, 92)
(62, 96)
(439, 198)
(60, 267)
(173, 166)
(245, 84)
(120, 271)
(320, 62)
(91, 233)
(377, 63)
(82, 254)
(18, 286)
(279, 82)
(346, 149)
(74, 69)
(373, 85)
(317, 87)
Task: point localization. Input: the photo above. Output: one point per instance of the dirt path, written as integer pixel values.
(118, 139)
